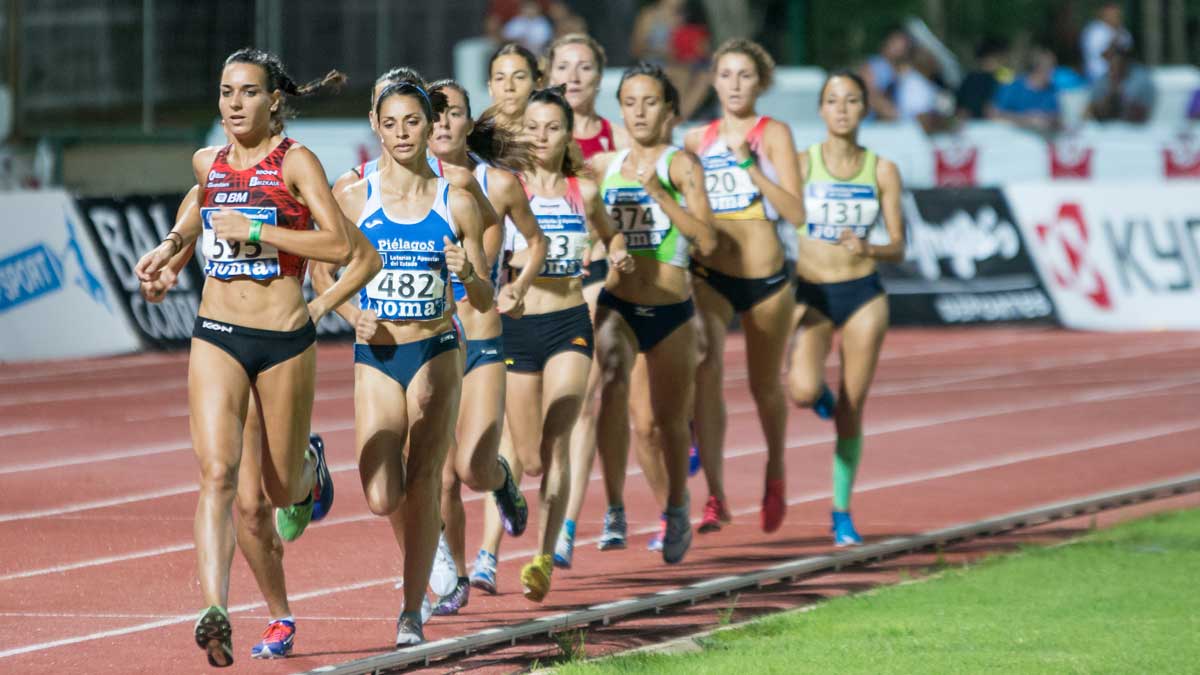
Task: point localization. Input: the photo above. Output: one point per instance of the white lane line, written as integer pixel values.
(794, 443)
(866, 486)
(879, 390)
(870, 430)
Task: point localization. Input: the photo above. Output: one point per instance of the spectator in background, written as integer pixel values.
(1030, 101)
(529, 28)
(1108, 27)
(1126, 92)
(652, 30)
(1193, 111)
(880, 72)
(918, 99)
(979, 87)
(691, 52)
(565, 21)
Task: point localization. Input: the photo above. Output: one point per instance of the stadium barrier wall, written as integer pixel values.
(56, 299)
(1094, 256)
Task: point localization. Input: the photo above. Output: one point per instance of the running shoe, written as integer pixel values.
(214, 635)
(276, 640)
(456, 600)
(514, 511)
(843, 530)
(656, 540)
(535, 577)
(773, 505)
(825, 403)
(613, 536)
(291, 521)
(678, 535)
(715, 515)
(693, 452)
(484, 576)
(444, 576)
(564, 549)
(408, 632)
(323, 489)
(426, 609)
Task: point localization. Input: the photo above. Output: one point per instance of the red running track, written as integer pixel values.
(97, 489)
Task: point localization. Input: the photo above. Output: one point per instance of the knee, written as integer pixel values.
(254, 514)
(218, 476)
(647, 431)
(766, 389)
(614, 373)
(802, 392)
(381, 503)
(533, 468)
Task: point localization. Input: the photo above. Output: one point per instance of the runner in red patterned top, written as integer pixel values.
(254, 337)
(260, 192)
(601, 142)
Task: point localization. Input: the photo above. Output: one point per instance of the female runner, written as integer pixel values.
(837, 285)
(649, 311)
(254, 332)
(750, 171)
(479, 150)
(549, 349)
(408, 370)
(512, 75)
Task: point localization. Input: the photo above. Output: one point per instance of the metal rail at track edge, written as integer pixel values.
(787, 572)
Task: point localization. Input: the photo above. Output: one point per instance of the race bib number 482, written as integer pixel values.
(407, 294)
(228, 259)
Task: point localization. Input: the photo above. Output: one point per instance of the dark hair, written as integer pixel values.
(514, 48)
(670, 93)
(279, 80)
(849, 74)
(488, 140)
(991, 45)
(432, 105)
(557, 96)
(397, 75)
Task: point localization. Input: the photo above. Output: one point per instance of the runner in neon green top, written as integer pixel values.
(649, 310)
(838, 287)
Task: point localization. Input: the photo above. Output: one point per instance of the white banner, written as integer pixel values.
(55, 300)
(1115, 256)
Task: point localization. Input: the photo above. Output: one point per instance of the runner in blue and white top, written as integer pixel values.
(475, 460)
(408, 368)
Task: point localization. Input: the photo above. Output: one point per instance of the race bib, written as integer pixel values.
(406, 295)
(834, 207)
(568, 241)
(729, 186)
(228, 259)
(638, 217)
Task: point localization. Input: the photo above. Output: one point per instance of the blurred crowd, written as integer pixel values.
(1026, 84)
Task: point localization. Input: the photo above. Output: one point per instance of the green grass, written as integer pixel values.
(1125, 600)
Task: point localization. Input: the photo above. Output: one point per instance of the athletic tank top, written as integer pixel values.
(563, 221)
(259, 194)
(647, 230)
(412, 284)
(833, 205)
(601, 142)
(731, 193)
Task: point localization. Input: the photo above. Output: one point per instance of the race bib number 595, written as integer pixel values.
(229, 259)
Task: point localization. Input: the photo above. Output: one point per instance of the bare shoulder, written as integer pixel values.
(588, 188)
(350, 193)
(600, 162)
(346, 179)
(778, 132)
(202, 159)
(887, 174)
(691, 139)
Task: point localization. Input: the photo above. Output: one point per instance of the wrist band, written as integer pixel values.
(469, 278)
(177, 246)
(255, 231)
(746, 163)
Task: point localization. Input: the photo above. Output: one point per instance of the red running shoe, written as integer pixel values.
(773, 505)
(715, 515)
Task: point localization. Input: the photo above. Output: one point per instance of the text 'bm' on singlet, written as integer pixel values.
(259, 193)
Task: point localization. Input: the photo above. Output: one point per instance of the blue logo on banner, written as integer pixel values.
(36, 271)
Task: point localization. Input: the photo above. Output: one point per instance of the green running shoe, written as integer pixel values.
(291, 521)
(215, 636)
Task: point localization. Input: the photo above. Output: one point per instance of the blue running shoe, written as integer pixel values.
(564, 549)
(825, 403)
(323, 491)
(276, 640)
(843, 530)
(693, 452)
(484, 576)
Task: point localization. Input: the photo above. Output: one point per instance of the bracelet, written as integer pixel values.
(746, 163)
(178, 244)
(255, 231)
